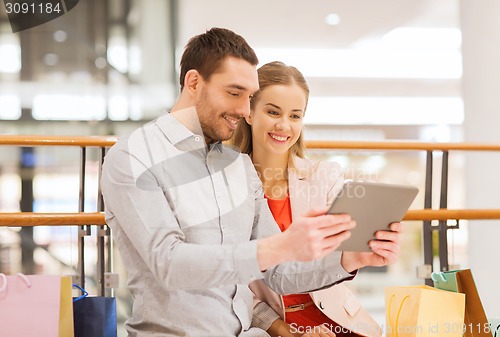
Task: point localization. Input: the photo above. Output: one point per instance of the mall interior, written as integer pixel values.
(407, 71)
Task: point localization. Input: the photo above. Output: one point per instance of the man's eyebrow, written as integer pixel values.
(236, 86)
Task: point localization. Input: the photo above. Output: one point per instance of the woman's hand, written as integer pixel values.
(320, 331)
(385, 250)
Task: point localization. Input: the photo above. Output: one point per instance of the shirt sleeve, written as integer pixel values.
(147, 229)
(304, 277)
(263, 316)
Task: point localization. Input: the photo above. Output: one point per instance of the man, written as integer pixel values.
(189, 216)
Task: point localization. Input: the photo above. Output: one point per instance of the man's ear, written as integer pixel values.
(192, 80)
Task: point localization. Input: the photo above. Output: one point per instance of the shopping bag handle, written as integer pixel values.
(84, 293)
(438, 277)
(4, 282)
(20, 275)
(397, 315)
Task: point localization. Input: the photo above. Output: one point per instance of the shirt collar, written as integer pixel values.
(217, 146)
(174, 130)
(177, 132)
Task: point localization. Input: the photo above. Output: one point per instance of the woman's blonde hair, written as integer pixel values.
(273, 73)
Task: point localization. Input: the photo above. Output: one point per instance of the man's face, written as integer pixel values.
(223, 100)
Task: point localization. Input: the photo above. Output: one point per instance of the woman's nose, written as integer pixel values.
(282, 125)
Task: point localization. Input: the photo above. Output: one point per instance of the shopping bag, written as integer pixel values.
(423, 311)
(461, 281)
(35, 305)
(495, 327)
(94, 316)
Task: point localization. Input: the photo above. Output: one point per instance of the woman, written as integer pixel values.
(272, 136)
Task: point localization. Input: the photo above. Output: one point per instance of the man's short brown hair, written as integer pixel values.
(205, 52)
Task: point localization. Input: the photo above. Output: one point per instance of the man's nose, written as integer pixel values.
(243, 108)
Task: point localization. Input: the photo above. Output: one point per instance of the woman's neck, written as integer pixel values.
(273, 172)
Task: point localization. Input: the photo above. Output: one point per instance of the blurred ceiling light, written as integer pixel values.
(60, 36)
(136, 112)
(118, 53)
(100, 62)
(369, 62)
(385, 111)
(10, 54)
(10, 107)
(435, 133)
(69, 107)
(50, 59)
(118, 108)
(135, 60)
(424, 38)
(375, 162)
(343, 160)
(332, 19)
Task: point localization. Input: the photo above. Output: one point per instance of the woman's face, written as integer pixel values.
(277, 117)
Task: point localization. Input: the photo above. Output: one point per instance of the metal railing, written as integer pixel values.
(85, 219)
(82, 219)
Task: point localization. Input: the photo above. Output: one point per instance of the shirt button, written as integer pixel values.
(339, 276)
(218, 194)
(197, 138)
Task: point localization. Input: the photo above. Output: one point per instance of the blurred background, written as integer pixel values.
(378, 70)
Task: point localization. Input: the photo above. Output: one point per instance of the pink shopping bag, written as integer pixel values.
(36, 305)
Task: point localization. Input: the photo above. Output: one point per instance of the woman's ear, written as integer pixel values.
(192, 80)
(248, 119)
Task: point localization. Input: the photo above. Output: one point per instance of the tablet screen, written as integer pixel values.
(374, 206)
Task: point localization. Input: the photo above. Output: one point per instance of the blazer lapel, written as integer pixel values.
(299, 184)
(305, 191)
(299, 194)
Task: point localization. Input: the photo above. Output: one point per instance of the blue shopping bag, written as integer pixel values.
(94, 316)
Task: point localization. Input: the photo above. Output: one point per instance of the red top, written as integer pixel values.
(311, 316)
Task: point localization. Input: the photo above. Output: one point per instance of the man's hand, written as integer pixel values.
(385, 250)
(317, 234)
(309, 238)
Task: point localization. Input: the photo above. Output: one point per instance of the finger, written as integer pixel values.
(396, 227)
(391, 246)
(326, 330)
(331, 221)
(336, 228)
(387, 250)
(388, 236)
(333, 242)
(316, 211)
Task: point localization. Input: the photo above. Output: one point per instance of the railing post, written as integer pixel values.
(83, 230)
(443, 224)
(28, 245)
(102, 233)
(427, 226)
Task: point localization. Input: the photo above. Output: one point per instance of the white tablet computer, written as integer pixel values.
(374, 206)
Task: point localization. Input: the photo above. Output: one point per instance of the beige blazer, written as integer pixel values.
(315, 184)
